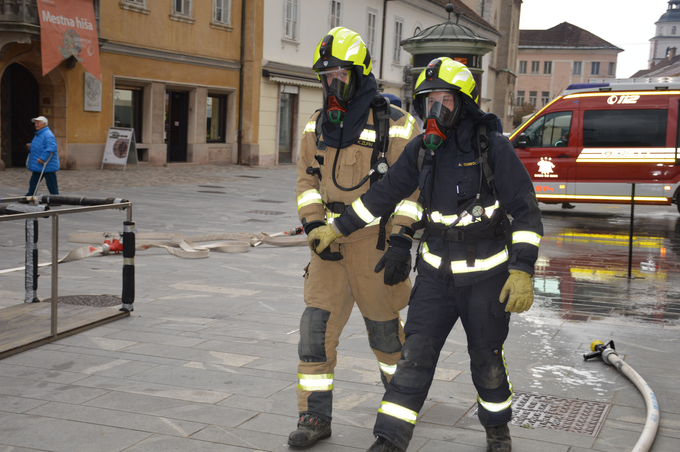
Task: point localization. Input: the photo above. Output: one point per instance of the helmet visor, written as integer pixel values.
(337, 82)
(442, 106)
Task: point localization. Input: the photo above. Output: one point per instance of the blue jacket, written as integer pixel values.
(456, 180)
(43, 145)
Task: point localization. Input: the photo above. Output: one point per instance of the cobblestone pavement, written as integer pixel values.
(207, 360)
(141, 176)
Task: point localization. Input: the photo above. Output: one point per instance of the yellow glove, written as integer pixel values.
(320, 238)
(519, 291)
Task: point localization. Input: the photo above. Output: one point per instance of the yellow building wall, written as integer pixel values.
(157, 30)
(92, 127)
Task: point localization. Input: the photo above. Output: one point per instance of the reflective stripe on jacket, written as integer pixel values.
(456, 180)
(314, 193)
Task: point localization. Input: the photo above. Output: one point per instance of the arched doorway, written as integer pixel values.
(20, 103)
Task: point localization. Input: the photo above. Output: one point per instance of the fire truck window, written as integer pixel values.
(624, 128)
(549, 130)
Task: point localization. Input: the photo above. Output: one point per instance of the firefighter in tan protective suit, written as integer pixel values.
(348, 145)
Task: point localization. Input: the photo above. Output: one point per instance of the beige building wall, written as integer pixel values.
(269, 121)
(562, 74)
(308, 101)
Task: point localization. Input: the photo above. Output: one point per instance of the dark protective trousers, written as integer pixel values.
(50, 180)
(434, 308)
(331, 289)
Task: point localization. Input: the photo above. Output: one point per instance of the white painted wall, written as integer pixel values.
(313, 24)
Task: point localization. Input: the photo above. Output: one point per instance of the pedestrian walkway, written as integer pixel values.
(207, 361)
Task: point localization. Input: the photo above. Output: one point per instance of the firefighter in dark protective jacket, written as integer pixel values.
(474, 264)
(347, 145)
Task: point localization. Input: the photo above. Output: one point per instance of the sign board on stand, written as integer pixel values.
(120, 147)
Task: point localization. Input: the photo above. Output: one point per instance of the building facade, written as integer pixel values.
(550, 60)
(173, 70)
(290, 90)
(667, 35)
(504, 16)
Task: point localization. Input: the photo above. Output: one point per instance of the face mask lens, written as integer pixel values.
(440, 106)
(338, 82)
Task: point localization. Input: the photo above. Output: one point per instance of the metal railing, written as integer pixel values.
(55, 242)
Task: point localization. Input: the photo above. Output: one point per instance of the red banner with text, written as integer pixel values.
(68, 29)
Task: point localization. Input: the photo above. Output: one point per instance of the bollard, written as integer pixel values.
(31, 271)
(128, 266)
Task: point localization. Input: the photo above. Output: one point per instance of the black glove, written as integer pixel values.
(396, 261)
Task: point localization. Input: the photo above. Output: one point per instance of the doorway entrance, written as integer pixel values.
(20, 103)
(176, 125)
(287, 112)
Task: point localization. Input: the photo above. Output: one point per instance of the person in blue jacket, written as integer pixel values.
(43, 149)
(474, 263)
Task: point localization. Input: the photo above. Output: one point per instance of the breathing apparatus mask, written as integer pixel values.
(338, 88)
(441, 93)
(442, 111)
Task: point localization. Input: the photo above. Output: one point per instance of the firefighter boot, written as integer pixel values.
(311, 428)
(383, 445)
(498, 439)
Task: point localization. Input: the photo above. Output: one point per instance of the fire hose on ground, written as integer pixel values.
(185, 247)
(609, 356)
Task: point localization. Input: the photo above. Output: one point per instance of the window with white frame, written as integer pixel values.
(370, 30)
(398, 28)
(520, 98)
(222, 11)
(290, 17)
(545, 98)
(547, 67)
(336, 11)
(577, 68)
(612, 67)
(532, 98)
(534, 66)
(182, 7)
(595, 68)
(522, 67)
(137, 2)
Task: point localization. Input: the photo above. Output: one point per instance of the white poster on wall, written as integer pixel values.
(92, 96)
(120, 147)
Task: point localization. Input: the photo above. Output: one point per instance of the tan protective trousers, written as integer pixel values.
(331, 288)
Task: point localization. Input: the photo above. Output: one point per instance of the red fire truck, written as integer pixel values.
(590, 144)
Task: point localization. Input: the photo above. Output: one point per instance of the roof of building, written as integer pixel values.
(668, 67)
(465, 11)
(672, 14)
(564, 35)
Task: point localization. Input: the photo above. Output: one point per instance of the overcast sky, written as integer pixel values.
(628, 24)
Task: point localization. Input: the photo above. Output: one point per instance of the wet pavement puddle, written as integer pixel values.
(582, 271)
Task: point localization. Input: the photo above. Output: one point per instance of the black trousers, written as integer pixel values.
(434, 308)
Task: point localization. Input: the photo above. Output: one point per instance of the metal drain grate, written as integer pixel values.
(253, 220)
(210, 186)
(555, 413)
(270, 201)
(266, 212)
(209, 191)
(96, 301)
(251, 177)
